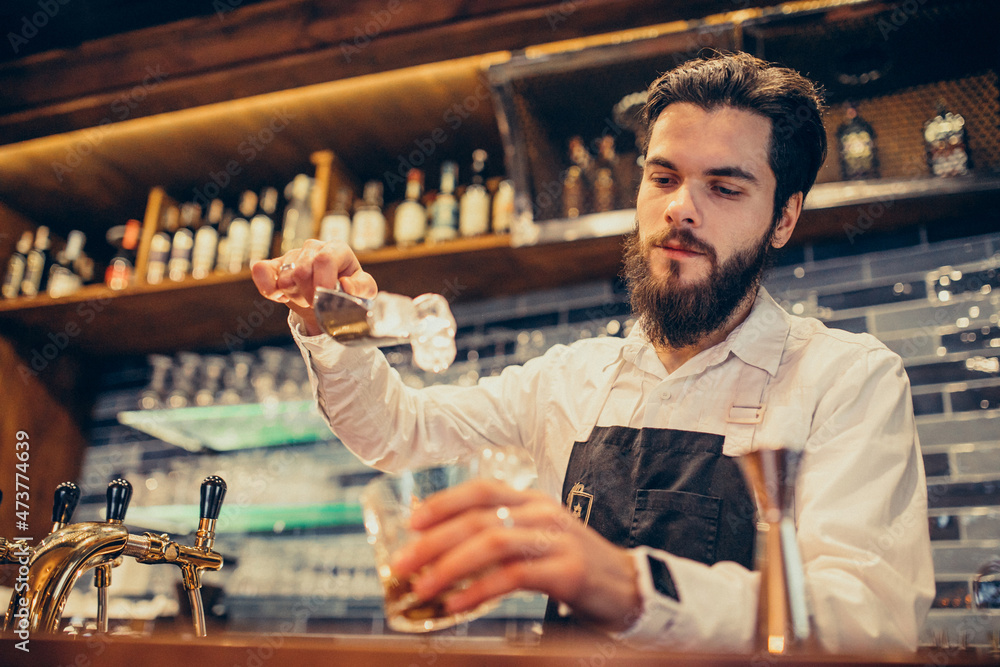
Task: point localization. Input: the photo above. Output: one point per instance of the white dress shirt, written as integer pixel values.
(860, 502)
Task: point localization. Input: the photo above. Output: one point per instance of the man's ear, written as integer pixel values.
(789, 218)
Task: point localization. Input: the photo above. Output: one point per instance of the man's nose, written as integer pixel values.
(682, 209)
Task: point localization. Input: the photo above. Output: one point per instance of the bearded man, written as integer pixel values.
(640, 435)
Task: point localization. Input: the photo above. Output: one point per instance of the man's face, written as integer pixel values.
(704, 220)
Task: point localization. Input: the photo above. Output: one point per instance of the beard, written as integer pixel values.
(678, 315)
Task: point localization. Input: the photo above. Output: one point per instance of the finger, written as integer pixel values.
(265, 277)
(512, 576)
(360, 283)
(439, 539)
(482, 552)
(479, 493)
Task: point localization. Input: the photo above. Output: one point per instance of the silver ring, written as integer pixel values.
(286, 267)
(506, 520)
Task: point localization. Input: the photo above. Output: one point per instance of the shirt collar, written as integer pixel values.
(759, 340)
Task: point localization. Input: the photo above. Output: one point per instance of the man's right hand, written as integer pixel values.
(292, 279)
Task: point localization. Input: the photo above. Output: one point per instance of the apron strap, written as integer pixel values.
(747, 410)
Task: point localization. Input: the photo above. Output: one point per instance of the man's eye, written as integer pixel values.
(727, 192)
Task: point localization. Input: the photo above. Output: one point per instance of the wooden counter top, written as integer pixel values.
(442, 650)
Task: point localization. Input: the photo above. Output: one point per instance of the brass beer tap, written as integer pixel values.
(119, 496)
(153, 549)
(58, 560)
(67, 496)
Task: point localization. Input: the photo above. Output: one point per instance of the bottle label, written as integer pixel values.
(474, 216)
(411, 223)
(445, 224)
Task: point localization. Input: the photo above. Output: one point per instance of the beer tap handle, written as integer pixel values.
(119, 496)
(213, 492)
(64, 504)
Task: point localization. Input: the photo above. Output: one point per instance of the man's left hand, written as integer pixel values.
(532, 544)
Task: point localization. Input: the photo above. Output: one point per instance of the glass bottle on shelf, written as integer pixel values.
(573, 192)
(262, 226)
(238, 239)
(16, 266)
(946, 145)
(297, 224)
(62, 278)
(604, 179)
(336, 224)
(222, 247)
(411, 216)
(206, 241)
(579, 156)
(120, 270)
(159, 255)
(369, 225)
(444, 213)
(181, 246)
(857, 148)
(36, 266)
(474, 208)
(503, 207)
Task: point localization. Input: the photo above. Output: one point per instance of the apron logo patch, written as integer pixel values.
(579, 503)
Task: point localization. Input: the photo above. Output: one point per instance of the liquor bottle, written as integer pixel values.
(604, 180)
(584, 178)
(474, 207)
(503, 207)
(63, 281)
(36, 267)
(262, 226)
(122, 266)
(858, 152)
(206, 241)
(444, 214)
(945, 141)
(574, 193)
(15, 267)
(411, 216)
(222, 248)
(182, 244)
(368, 227)
(336, 224)
(238, 238)
(159, 255)
(297, 223)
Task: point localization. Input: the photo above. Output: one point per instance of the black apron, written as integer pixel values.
(667, 489)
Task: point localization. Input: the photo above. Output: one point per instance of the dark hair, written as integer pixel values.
(790, 101)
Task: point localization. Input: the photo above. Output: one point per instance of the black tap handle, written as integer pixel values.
(66, 498)
(213, 491)
(119, 495)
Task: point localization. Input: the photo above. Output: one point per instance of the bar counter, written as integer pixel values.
(256, 650)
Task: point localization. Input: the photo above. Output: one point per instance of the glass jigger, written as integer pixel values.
(426, 323)
(784, 624)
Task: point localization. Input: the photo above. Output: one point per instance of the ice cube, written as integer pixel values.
(392, 316)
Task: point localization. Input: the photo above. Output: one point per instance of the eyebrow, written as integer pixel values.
(725, 172)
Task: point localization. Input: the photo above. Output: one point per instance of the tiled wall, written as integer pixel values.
(935, 302)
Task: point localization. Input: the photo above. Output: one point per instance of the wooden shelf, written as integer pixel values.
(226, 311)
